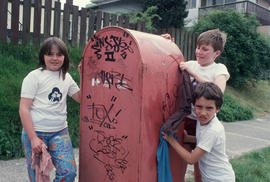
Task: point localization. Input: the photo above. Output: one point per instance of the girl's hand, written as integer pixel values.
(80, 68)
(37, 144)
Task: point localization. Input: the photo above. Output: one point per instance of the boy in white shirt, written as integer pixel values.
(210, 137)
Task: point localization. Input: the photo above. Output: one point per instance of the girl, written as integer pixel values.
(43, 109)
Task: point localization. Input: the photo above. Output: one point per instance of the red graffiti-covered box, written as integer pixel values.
(130, 84)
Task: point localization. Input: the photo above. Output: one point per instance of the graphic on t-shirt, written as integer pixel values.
(55, 95)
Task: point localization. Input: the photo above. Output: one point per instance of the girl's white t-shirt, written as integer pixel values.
(49, 93)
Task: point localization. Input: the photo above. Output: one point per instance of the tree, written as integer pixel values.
(246, 52)
(147, 16)
(172, 12)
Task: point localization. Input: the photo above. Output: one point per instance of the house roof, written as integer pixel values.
(115, 6)
(103, 2)
(96, 3)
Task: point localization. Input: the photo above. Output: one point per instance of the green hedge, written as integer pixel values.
(233, 111)
(15, 63)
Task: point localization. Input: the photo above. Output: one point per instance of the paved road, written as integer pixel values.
(242, 137)
(246, 136)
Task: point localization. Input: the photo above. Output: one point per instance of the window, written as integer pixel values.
(203, 3)
(191, 4)
(229, 1)
(219, 2)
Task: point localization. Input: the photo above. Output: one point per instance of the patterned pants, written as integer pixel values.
(60, 148)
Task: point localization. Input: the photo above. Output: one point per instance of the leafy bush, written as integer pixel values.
(10, 133)
(75, 55)
(233, 111)
(26, 53)
(12, 72)
(246, 52)
(16, 62)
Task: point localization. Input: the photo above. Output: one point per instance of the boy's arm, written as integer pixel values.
(220, 80)
(190, 158)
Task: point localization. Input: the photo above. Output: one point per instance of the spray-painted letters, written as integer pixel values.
(101, 116)
(109, 46)
(112, 78)
(110, 152)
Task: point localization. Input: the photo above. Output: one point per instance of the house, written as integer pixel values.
(261, 8)
(196, 8)
(116, 6)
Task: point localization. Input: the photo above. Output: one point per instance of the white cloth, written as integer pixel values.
(214, 165)
(49, 93)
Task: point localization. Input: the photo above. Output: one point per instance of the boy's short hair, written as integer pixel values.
(210, 91)
(214, 37)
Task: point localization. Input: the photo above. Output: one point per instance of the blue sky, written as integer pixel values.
(80, 3)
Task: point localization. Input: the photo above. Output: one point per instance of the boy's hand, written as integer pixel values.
(167, 36)
(186, 136)
(183, 66)
(169, 139)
